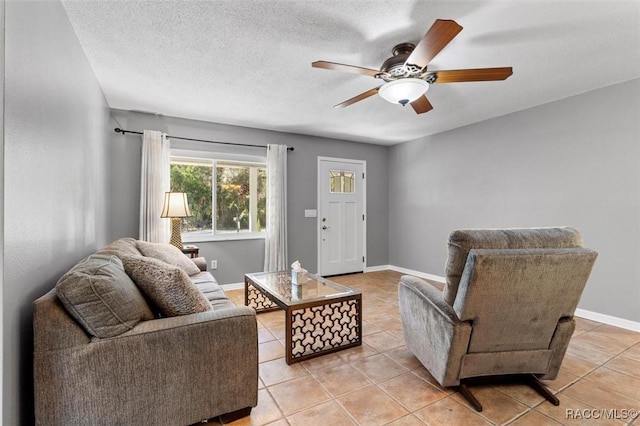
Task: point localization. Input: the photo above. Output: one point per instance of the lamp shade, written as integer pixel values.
(175, 205)
(403, 91)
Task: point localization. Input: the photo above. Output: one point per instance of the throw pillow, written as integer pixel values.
(169, 254)
(167, 286)
(101, 296)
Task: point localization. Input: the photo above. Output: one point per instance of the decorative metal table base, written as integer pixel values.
(314, 328)
(257, 299)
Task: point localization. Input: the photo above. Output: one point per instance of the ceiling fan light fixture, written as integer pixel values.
(403, 91)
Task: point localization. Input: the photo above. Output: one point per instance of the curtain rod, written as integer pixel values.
(119, 130)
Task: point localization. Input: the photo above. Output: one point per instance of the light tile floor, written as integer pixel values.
(381, 383)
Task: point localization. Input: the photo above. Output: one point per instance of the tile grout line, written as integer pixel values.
(410, 412)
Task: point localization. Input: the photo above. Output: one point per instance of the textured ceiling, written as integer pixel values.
(248, 62)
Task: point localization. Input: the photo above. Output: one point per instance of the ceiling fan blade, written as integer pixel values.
(439, 35)
(422, 105)
(358, 98)
(345, 68)
(478, 74)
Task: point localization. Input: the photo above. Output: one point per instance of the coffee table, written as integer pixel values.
(321, 316)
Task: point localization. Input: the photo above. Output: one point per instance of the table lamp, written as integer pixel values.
(176, 207)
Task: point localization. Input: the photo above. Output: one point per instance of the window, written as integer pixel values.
(227, 197)
(341, 182)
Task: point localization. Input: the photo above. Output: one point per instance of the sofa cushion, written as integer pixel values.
(220, 304)
(208, 286)
(169, 254)
(121, 247)
(167, 286)
(101, 297)
(462, 241)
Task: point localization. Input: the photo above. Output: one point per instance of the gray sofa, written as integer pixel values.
(175, 370)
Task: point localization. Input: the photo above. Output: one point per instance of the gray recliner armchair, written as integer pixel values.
(507, 306)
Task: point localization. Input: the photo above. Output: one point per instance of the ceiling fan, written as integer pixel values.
(406, 76)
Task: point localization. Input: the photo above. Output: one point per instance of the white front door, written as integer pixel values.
(341, 216)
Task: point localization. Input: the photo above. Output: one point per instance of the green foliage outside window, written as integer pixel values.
(232, 195)
(233, 198)
(195, 180)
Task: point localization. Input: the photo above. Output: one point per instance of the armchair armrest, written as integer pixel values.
(431, 294)
(432, 330)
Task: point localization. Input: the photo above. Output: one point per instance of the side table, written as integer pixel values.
(191, 251)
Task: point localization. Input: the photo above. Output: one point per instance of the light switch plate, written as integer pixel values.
(310, 213)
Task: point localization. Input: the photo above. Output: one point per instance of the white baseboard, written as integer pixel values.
(608, 319)
(377, 268)
(232, 286)
(418, 274)
(582, 313)
(404, 271)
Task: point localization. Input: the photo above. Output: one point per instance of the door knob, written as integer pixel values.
(325, 227)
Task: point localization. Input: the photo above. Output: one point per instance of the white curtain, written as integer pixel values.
(154, 182)
(275, 253)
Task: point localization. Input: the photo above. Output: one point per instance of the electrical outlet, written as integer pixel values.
(214, 264)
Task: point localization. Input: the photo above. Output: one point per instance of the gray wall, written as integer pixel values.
(573, 162)
(1, 192)
(235, 258)
(56, 186)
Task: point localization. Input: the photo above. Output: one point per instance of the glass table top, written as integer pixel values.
(314, 287)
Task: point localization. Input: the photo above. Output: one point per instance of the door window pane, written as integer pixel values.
(342, 182)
